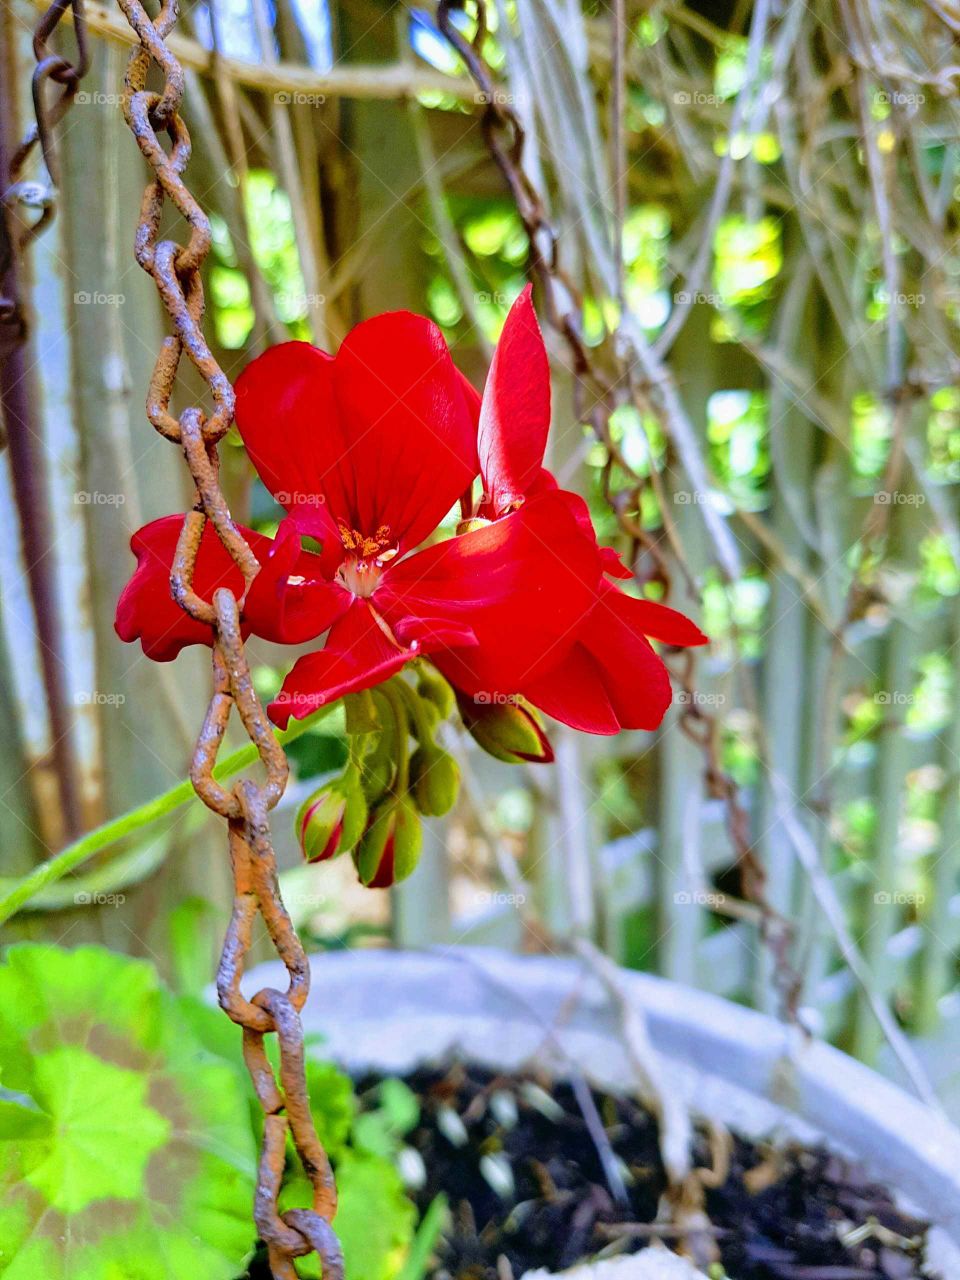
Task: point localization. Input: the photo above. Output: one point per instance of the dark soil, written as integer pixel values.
(527, 1187)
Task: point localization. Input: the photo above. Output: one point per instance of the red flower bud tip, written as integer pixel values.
(389, 849)
(331, 820)
(506, 727)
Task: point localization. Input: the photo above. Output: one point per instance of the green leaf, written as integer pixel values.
(128, 1152)
(333, 1105)
(379, 1131)
(375, 1220)
(432, 1226)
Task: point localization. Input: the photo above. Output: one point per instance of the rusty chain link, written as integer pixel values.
(175, 270)
(504, 134)
(37, 194)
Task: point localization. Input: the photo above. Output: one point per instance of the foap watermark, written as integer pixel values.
(697, 98)
(498, 98)
(697, 698)
(699, 898)
(495, 699)
(83, 898)
(294, 98)
(897, 98)
(97, 99)
(496, 298)
(496, 898)
(898, 498)
(97, 698)
(894, 698)
(899, 898)
(691, 498)
(686, 298)
(96, 498)
(85, 298)
(301, 301)
(314, 901)
(299, 498)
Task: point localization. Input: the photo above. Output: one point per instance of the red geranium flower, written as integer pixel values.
(367, 452)
(610, 677)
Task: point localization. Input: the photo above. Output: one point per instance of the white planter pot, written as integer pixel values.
(390, 1011)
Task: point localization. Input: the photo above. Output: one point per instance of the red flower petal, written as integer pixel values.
(358, 654)
(411, 430)
(290, 600)
(522, 584)
(384, 434)
(573, 692)
(612, 563)
(635, 679)
(147, 612)
(515, 413)
(613, 679)
(659, 621)
(287, 416)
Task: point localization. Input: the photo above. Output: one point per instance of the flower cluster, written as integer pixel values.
(367, 452)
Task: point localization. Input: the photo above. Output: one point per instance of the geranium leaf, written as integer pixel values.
(128, 1152)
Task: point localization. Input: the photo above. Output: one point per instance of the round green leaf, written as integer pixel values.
(125, 1147)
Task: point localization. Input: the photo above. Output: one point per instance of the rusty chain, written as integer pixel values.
(175, 270)
(37, 194)
(504, 134)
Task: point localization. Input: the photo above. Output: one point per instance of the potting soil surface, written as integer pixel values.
(542, 1175)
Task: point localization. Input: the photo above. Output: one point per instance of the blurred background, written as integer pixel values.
(755, 209)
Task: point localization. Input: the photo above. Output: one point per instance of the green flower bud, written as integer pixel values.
(433, 688)
(377, 769)
(389, 849)
(434, 781)
(332, 820)
(507, 727)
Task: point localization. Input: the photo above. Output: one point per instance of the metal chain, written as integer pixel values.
(175, 270)
(505, 137)
(36, 194)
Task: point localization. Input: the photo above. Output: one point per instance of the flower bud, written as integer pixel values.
(508, 728)
(433, 688)
(434, 781)
(376, 774)
(389, 849)
(331, 820)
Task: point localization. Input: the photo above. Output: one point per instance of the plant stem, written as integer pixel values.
(82, 850)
